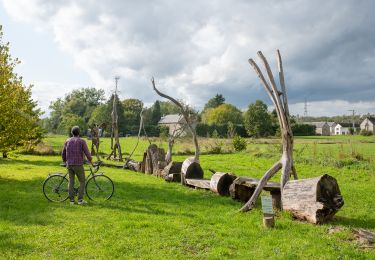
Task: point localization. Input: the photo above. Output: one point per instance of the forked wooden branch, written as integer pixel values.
(281, 106)
(185, 114)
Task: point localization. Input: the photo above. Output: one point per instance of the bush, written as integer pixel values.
(205, 130)
(239, 143)
(365, 132)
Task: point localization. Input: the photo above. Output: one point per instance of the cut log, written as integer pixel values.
(191, 169)
(172, 167)
(133, 165)
(243, 188)
(220, 183)
(201, 184)
(153, 156)
(316, 200)
(173, 177)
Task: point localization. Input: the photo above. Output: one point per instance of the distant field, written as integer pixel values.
(149, 218)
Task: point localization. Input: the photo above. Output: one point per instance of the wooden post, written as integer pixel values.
(268, 213)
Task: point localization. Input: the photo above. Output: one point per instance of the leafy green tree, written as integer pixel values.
(214, 102)
(70, 120)
(167, 108)
(222, 115)
(156, 113)
(19, 116)
(132, 109)
(257, 120)
(101, 115)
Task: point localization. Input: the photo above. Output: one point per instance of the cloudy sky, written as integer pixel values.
(196, 49)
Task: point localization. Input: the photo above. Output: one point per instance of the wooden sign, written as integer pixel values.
(267, 205)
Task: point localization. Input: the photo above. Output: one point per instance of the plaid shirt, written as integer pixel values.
(74, 148)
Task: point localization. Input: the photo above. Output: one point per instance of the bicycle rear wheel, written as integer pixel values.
(99, 188)
(55, 188)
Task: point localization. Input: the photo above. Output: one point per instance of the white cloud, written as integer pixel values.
(196, 49)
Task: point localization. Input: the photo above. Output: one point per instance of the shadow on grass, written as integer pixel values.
(24, 161)
(367, 222)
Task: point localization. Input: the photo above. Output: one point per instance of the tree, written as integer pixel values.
(70, 120)
(101, 115)
(167, 108)
(19, 116)
(132, 110)
(81, 102)
(222, 114)
(257, 120)
(214, 102)
(156, 113)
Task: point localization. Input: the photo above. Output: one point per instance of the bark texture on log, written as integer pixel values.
(220, 182)
(202, 184)
(154, 156)
(191, 169)
(315, 200)
(243, 188)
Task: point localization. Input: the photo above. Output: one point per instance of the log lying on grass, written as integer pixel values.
(220, 182)
(133, 165)
(172, 167)
(315, 200)
(196, 183)
(243, 188)
(191, 169)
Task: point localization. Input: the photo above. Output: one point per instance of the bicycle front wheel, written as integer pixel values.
(99, 188)
(55, 188)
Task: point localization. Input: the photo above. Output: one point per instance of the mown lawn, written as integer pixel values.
(151, 219)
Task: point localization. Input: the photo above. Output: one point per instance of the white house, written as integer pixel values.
(332, 126)
(368, 124)
(173, 122)
(343, 128)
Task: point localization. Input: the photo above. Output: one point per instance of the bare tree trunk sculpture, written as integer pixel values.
(177, 132)
(280, 101)
(115, 144)
(191, 164)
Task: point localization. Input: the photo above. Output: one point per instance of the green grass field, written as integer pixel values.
(150, 219)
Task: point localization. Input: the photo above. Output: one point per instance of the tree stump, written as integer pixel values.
(191, 169)
(315, 200)
(220, 183)
(153, 156)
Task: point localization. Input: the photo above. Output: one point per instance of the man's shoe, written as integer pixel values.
(72, 202)
(82, 202)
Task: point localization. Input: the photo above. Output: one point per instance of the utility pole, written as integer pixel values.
(353, 111)
(305, 109)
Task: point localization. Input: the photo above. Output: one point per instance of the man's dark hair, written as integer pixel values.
(75, 130)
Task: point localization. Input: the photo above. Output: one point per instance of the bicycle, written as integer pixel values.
(98, 187)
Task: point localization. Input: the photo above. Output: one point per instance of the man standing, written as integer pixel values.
(72, 155)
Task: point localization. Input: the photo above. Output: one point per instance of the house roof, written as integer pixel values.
(171, 119)
(331, 123)
(317, 124)
(348, 124)
(371, 119)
